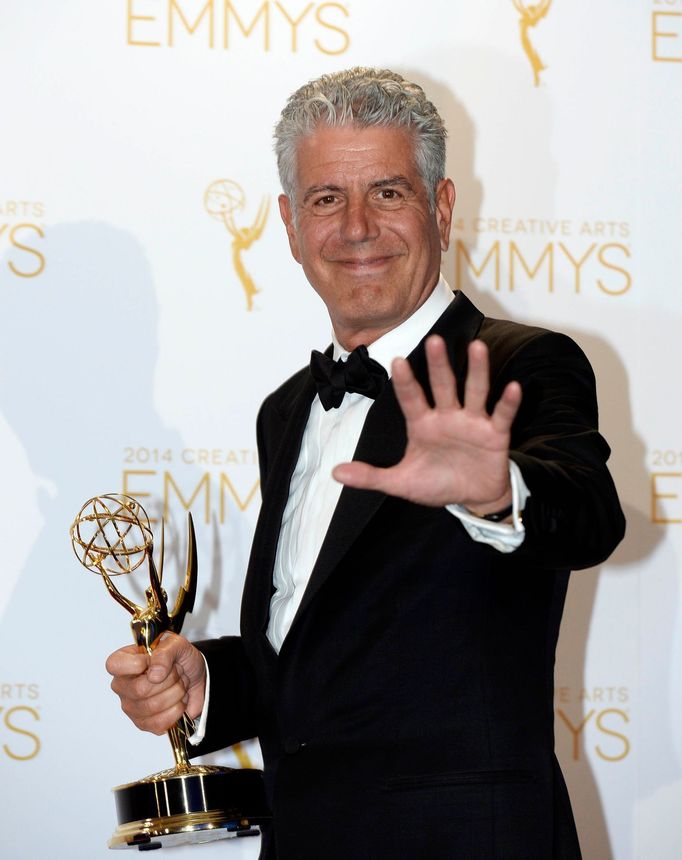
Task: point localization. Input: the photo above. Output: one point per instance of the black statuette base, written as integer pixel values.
(189, 808)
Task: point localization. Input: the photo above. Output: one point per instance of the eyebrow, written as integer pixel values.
(379, 183)
(317, 189)
(393, 180)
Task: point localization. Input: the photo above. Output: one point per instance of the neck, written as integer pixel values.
(350, 339)
(351, 336)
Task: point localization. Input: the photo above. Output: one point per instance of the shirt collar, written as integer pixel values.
(401, 340)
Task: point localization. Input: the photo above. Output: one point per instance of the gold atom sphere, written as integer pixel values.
(223, 197)
(111, 534)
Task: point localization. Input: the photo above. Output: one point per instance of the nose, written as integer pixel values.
(359, 223)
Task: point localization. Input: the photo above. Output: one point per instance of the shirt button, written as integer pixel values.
(292, 746)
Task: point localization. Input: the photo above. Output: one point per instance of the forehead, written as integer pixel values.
(347, 154)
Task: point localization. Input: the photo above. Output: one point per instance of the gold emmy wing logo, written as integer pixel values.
(222, 199)
(531, 15)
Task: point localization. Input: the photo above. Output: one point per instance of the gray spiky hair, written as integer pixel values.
(362, 97)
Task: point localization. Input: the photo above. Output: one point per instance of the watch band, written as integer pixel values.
(498, 516)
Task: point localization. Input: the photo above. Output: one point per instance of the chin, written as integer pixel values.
(370, 318)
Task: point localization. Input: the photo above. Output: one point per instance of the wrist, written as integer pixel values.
(503, 516)
(495, 511)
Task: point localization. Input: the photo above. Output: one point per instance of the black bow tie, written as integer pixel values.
(359, 374)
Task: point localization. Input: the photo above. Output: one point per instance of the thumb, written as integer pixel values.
(362, 476)
(164, 657)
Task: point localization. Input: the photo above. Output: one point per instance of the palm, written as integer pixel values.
(456, 453)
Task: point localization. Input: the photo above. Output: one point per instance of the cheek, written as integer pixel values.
(312, 240)
(413, 234)
(326, 237)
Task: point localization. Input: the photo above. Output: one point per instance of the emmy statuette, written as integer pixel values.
(187, 803)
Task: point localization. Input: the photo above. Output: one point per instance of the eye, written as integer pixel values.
(390, 197)
(325, 204)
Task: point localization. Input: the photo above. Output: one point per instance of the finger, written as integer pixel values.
(150, 708)
(441, 377)
(139, 688)
(407, 390)
(169, 651)
(127, 661)
(158, 723)
(477, 382)
(362, 476)
(145, 701)
(506, 408)
(187, 660)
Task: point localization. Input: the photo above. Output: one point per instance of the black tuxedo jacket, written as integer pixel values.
(409, 712)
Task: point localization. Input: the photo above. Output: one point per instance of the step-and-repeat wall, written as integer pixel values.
(148, 302)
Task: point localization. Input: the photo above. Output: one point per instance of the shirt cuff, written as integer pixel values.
(504, 537)
(200, 724)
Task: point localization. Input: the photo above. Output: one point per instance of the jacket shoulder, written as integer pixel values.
(279, 399)
(498, 332)
(512, 341)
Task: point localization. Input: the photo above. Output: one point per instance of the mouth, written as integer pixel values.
(364, 264)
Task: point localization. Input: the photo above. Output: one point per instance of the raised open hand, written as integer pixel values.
(456, 452)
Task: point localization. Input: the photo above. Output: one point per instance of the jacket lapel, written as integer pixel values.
(258, 584)
(383, 441)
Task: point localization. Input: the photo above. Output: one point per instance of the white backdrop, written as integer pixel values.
(129, 358)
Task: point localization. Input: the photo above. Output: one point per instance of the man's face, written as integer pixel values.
(363, 230)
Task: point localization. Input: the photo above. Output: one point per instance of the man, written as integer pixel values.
(398, 634)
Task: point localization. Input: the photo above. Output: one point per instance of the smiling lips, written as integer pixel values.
(364, 263)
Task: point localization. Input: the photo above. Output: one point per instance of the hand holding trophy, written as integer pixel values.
(188, 803)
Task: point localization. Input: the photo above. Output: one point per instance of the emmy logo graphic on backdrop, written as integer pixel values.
(188, 803)
(222, 199)
(531, 15)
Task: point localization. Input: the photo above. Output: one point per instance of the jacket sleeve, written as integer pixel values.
(233, 706)
(573, 518)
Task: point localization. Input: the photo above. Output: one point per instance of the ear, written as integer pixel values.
(286, 211)
(445, 202)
